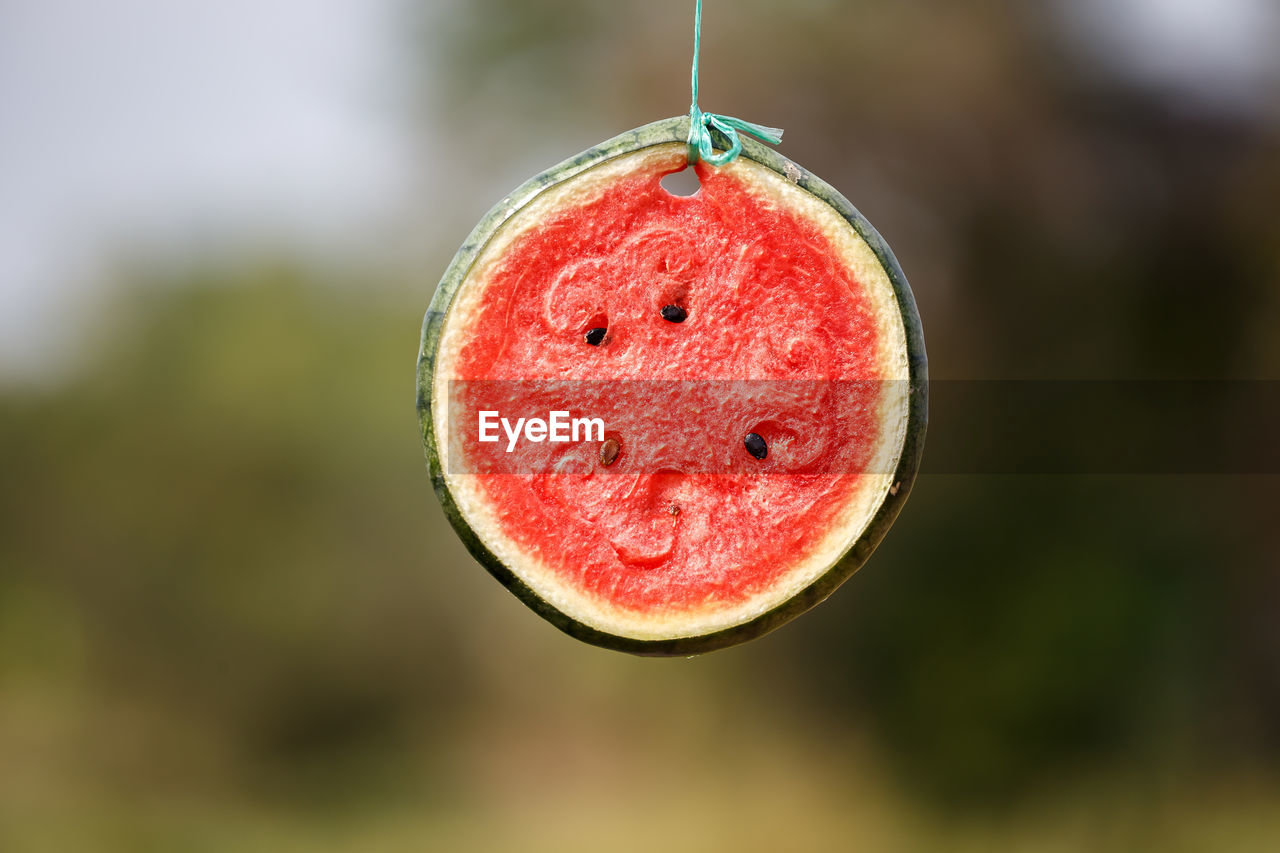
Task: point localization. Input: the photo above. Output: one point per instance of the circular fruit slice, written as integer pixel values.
(671, 423)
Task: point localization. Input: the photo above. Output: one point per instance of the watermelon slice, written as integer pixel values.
(738, 377)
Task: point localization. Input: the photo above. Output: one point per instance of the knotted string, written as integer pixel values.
(700, 123)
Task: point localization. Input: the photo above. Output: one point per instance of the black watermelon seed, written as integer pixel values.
(674, 314)
(609, 452)
(755, 445)
(595, 337)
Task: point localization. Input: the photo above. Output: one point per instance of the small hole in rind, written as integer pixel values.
(683, 183)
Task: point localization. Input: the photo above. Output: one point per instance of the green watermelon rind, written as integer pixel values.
(661, 133)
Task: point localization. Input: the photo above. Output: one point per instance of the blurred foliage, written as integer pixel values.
(231, 612)
(232, 616)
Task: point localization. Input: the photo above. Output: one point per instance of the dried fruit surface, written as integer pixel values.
(765, 298)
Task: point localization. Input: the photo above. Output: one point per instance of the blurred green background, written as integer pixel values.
(233, 617)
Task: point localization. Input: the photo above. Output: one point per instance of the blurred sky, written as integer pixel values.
(176, 126)
(159, 122)
(1218, 55)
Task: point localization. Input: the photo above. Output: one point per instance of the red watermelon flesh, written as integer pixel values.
(686, 521)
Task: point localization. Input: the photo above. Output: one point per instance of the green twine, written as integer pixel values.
(700, 123)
